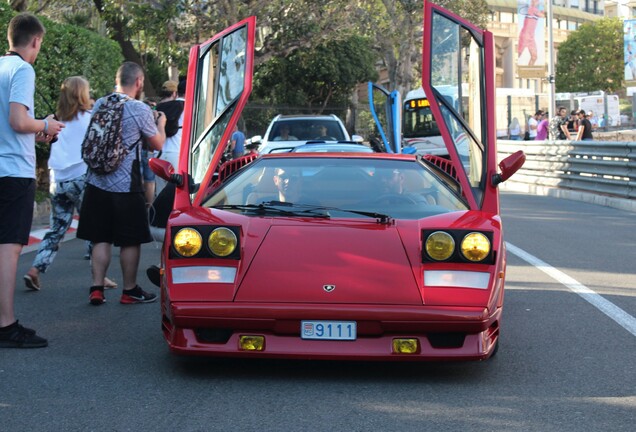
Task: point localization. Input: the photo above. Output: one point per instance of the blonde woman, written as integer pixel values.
(514, 130)
(67, 172)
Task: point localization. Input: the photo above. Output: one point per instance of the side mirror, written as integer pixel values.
(357, 138)
(165, 170)
(509, 166)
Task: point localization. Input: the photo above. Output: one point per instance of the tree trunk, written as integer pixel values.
(127, 49)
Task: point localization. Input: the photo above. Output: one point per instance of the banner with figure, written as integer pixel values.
(531, 45)
(629, 49)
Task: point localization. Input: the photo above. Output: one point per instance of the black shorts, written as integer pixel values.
(17, 197)
(111, 217)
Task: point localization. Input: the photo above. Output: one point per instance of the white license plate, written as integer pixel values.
(328, 330)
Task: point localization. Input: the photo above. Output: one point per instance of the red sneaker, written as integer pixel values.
(137, 295)
(96, 296)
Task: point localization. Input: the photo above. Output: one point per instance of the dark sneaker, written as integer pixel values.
(137, 295)
(32, 281)
(96, 296)
(154, 275)
(17, 336)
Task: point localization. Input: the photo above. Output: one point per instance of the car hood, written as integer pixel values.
(330, 264)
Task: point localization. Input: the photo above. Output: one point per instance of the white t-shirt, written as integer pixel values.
(532, 122)
(17, 150)
(66, 153)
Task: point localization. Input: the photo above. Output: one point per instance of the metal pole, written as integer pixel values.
(509, 100)
(551, 69)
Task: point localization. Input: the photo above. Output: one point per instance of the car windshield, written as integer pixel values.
(305, 130)
(336, 187)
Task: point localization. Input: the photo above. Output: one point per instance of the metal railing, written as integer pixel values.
(597, 167)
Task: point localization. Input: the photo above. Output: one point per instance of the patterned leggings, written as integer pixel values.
(65, 199)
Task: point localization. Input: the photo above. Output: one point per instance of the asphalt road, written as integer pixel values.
(563, 365)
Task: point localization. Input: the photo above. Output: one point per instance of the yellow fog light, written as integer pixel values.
(475, 247)
(222, 242)
(440, 245)
(406, 346)
(252, 343)
(188, 242)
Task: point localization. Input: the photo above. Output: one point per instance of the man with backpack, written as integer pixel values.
(171, 104)
(114, 208)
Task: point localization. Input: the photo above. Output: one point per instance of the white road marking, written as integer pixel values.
(624, 319)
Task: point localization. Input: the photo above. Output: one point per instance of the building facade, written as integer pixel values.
(507, 23)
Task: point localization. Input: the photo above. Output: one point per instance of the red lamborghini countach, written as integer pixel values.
(336, 255)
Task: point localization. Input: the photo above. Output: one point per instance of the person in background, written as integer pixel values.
(284, 134)
(323, 133)
(584, 132)
(288, 183)
(593, 120)
(533, 123)
(558, 125)
(148, 175)
(113, 209)
(237, 143)
(67, 173)
(602, 121)
(573, 122)
(514, 130)
(18, 133)
(542, 128)
(172, 104)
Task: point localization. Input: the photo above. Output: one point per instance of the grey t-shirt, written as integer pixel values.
(137, 122)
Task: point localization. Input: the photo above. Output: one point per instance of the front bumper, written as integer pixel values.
(186, 324)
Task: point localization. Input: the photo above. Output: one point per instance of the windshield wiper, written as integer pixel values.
(381, 217)
(274, 207)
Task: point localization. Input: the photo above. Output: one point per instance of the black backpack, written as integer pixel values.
(172, 110)
(103, 148)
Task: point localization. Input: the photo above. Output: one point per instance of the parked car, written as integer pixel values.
(354, 256)
(288, 131)
(331, 147)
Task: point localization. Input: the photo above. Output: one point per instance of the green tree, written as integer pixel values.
(592, 58)
(396, 26)
(317, 78)
(168, 28)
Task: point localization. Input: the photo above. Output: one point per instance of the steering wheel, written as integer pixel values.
(395, 198)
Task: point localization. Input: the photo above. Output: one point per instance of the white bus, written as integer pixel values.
(419, 128)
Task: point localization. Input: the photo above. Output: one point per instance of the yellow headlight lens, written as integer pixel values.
(188, 242)
(222, 242)
(440, 245)
(252, 343)
(406, 346)
(475, 247)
